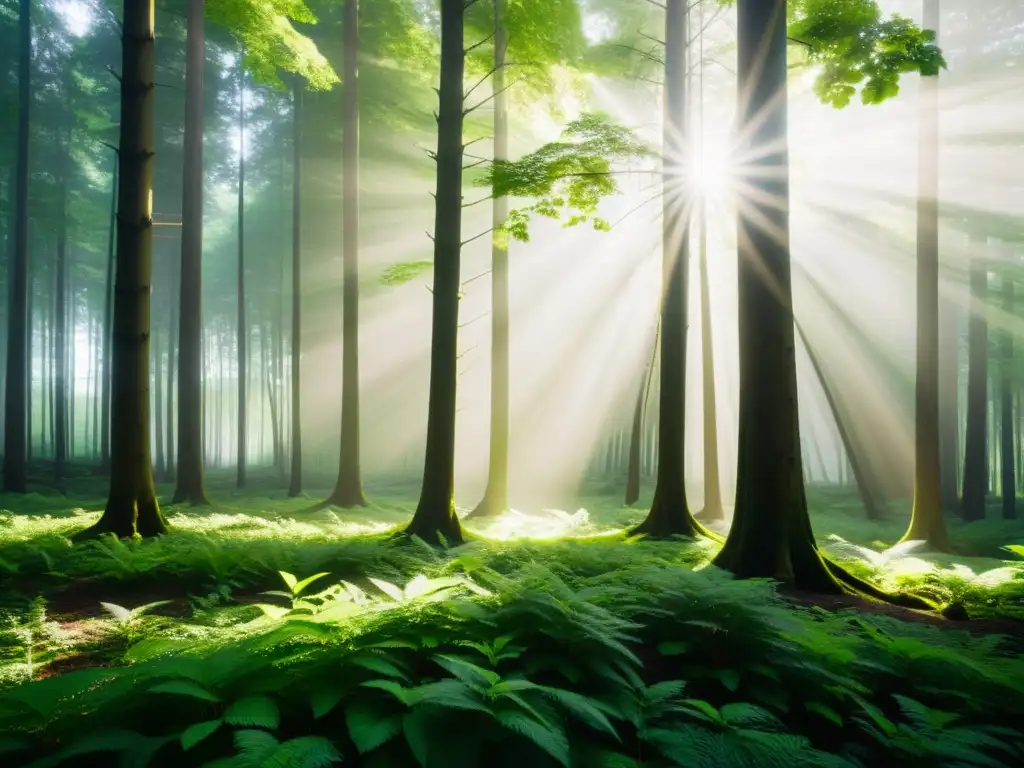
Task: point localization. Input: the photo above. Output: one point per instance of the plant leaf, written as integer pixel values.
(253, 711)
(185, 688)
(197, 732)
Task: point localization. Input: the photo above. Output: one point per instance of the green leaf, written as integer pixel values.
(673, 648)
(391, 687)
(197, 732)
(825, 711)
(389, 589)
(120, 613)
(255, 745)
(253, 711)
(380, 665)
(703, 710)
(452, 694)
(369, 727)
(300, 586)
(1017, 549)
(324, 700)
(549, 738)
(746, 715)
(185, 688)
(730, 678)
(303, 752)
(404, 272)
(289, 580)
(467, 672)
(582, 709)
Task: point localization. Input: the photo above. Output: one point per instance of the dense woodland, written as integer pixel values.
(643, 376)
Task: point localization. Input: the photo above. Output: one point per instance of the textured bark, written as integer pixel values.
(295, 480)
(670, 512)
(771, 534)
(495, 498)
(108, 324)
(435, 514)
(160, 464)
(18, 377)
(348, 490)
(131, 504)
(172, 328)
(243, 360)
(976, 449)
(949, 421)
(926, 521)
(60, 322)
(635, 435)
(1009, 486)
(189, 487)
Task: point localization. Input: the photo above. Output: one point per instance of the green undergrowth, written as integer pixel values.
(650, 664)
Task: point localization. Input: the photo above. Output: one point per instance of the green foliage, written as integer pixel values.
(570, 176)
(855, 47)
(404, 272)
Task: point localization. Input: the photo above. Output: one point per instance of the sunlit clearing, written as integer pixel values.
(547, 524)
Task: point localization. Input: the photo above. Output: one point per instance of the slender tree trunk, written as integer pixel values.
(108, 324)
(16, 426)
(670, 512)
(189, 487)
(295, 481)
(926, 521)
(771, 534)
(949, 422)
(976, 480)
(60, 335)
(262, 378)
(220, 453)
(243, 361)
(71, 347)
(172, 327)
(1009, 486)
(435, 514)
(348, 490)
(637, 437)
(713, 507)
(158, 410)
(495, 499)
(132, 505)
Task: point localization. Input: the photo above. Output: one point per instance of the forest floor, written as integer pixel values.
(231, 578)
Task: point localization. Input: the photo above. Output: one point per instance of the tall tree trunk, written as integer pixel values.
(219, 451)
(926, 522)
(243, 361)
(495, 499)
(295, 480)
(108, 323)
(435, 514)
(1009, 486)
(348, 490)
(60, 406)
(132, 505)
(771, 534)
(976, 480)
(633, 470)
(16, 425)
(158, 410)
(949, 421)
(670, 512)
(189, 487)
(713, 507)
(71, 347)
(172, 329)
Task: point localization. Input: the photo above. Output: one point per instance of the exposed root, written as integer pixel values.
(856, 586)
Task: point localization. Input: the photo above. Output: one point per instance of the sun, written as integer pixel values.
(714, 172)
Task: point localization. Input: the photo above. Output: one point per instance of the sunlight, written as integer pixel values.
(549, 524)
(77, 17)
(714, 172)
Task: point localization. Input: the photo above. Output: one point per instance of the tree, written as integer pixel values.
(189, 486)
(132, 507)
(16, 392)
(348, 490)
(926, 521)
(435, 513)
(1009, 489)
(975, 482)
(670, 512)
(771, 535)
(242, 330)
(295, 479)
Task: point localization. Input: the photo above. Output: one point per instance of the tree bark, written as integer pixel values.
(172, 326)
(1009, 486)
(60, 331)
(16, 424)
(348, 490)
(435, 514)
(771, 534)
(295, 481)
(713, 507)
(949, 421)
(495, 498)
(243, 361)
(189, 487)
(670, 513)
(976, 480)
(108, 324)
(132, 506)
(160, 466)
(926, 521)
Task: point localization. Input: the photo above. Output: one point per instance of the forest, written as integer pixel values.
(562, 383)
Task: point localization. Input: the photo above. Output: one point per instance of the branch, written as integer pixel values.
(650, 37)
(477, 277)
(800, 42)
(478, 83)
(631, 211)
(112, 72)
(656, 3)
(474, 165)
(428, 235)
(477, 202)
(476, 237)
(484, 101)
(478, 317)
(469, 144)
(477, 45)
(645, 54)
